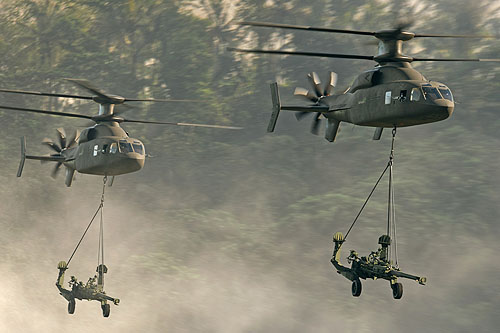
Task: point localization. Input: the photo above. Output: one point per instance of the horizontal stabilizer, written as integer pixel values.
(312, 108)
(47, 158)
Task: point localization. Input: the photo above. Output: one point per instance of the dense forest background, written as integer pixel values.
(230, 231)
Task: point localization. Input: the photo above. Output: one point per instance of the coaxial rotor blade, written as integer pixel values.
(52, 113)
(62, 137)
(49, 143)
(25, 92)
(89, 87)
(332, 82)
(302, 92)
(456, 59)
(311, 54)
(315, 124)
(454, 36)
(162, 100)
(315, 83)
(56, 169)
(309, 28)
(180, 124)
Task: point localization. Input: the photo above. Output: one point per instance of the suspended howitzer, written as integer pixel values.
(90, 291)
(376, 266)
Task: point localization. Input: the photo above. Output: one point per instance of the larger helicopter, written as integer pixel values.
(392, 94)
(102, 149)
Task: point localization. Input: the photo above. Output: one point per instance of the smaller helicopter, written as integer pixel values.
(102, 149)
(392, 94)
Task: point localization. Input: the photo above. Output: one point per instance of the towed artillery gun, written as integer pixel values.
(90, 291)
(375, 266)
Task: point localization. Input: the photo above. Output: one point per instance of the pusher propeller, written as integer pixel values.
(315, 96)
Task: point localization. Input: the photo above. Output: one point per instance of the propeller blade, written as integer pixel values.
(316, 123)
(316, 83)
(73, 141)
(309, 28)
(56, 169)
(310, 54)
(332, 82)
(24, 92)
(301, 115)
(62, 137)
(180, 124)
(456, 59)
(306, 94)
(49, 143)
(52, 113)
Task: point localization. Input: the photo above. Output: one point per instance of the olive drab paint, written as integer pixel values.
(392, 94)
(102, 149)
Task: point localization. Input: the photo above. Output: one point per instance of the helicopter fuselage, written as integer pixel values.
(391, 95)
(105, 149)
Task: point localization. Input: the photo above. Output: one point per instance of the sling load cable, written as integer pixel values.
(391, 208)
(99, 209)
(388, 166)
(100, 251)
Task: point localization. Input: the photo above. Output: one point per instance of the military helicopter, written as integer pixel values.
(392, 94)
(102, 149)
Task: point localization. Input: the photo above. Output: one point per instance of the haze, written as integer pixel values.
(231, 231)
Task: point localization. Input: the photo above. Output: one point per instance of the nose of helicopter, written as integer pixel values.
(444, 108)
(135, 163)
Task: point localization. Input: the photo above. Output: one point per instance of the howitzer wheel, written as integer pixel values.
(397, 290)
(71, 306)
(105, 310)
(356, 288)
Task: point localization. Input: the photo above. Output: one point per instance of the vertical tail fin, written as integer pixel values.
(70, 173)
(276, 107)
(23, 156)
(332, 127)
(378, 133)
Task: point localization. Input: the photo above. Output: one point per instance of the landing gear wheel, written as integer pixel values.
(71, 306)
(105, 310)
(356, 288)
(397, 290)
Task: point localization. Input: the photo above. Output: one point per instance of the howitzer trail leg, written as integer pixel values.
(338, 239)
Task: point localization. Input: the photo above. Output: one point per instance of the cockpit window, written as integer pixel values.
(446, 94)
(113, 148)
(431, 92)
(125, 147)
(415, 95)
(138, 148)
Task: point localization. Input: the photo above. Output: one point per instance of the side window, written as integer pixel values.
(415, 95)
(388, 95)
(113, 148)
(402, 96)
(96, 149)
